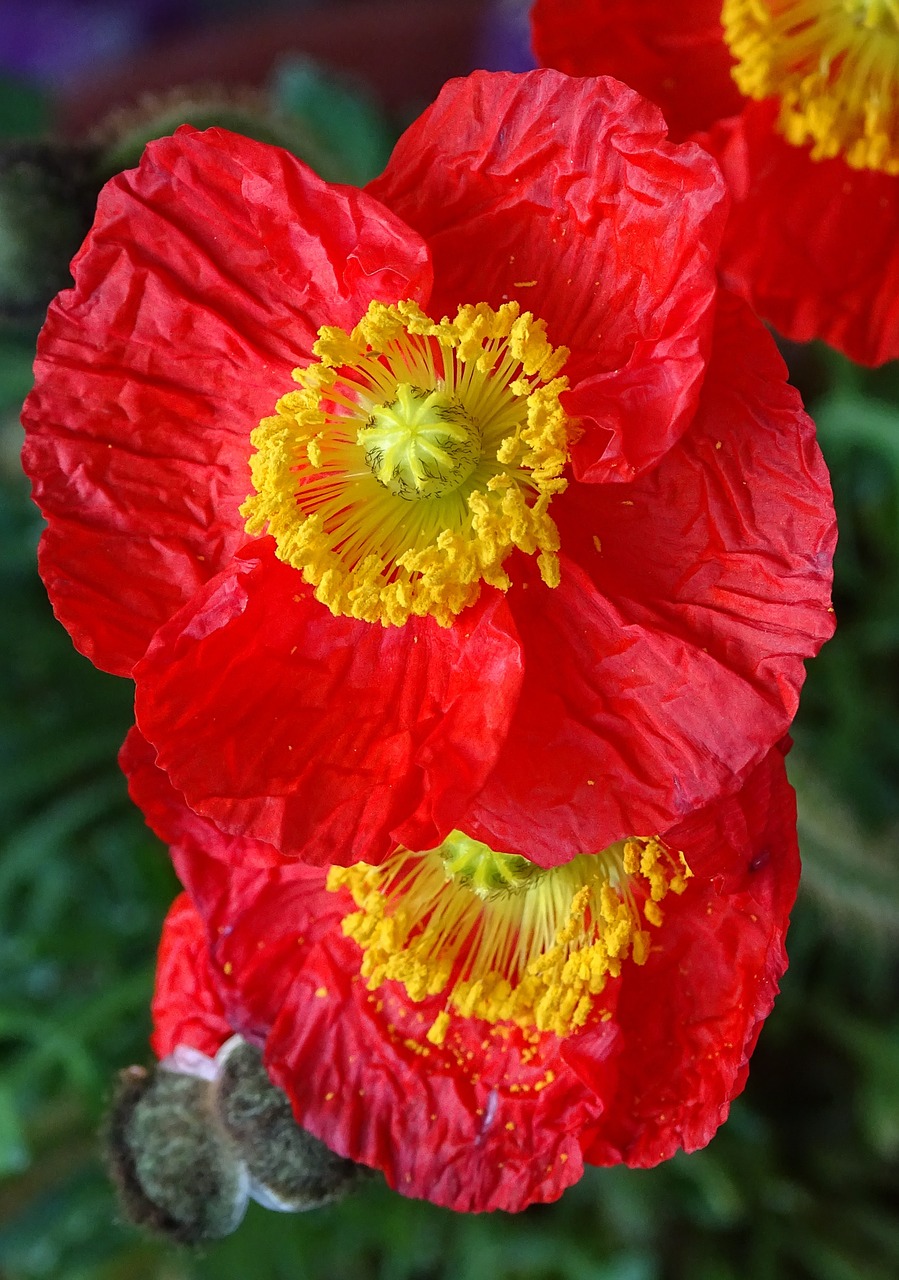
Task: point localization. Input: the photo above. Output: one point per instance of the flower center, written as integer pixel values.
(834, 64)
(423, 444)
(416, 456)
(502, 939)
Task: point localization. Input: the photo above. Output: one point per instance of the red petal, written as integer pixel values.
(201, 286)
(177, 825)
(674, 54)
(443, 1124)
(813, 245)
(251, 903)
(659, 681)
(691, 1015)
(327, 737)
(565, 195)
(186, 1005)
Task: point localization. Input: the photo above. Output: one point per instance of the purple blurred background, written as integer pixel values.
(91, 55)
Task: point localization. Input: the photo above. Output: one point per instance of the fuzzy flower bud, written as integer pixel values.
(176, 1171)
(290, 1170)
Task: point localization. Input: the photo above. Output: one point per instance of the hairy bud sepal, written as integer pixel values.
(290, 1170)
(176, 1172)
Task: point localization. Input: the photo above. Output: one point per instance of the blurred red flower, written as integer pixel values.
(799, 104)
(471, 1111)
(473, 588)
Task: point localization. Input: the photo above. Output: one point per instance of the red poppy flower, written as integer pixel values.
(473, 587)
(485, 1101)
(799, 103)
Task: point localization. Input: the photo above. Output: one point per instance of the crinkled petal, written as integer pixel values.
(657, 680)
(812, 244)
(729, 542)
(203, 283)
(176, 824)
(674, 54)
(489, 1120)
(329, 738)
(564, 194)
(690, 1017)
(250, 899)
(621, 729)
(187, 1009)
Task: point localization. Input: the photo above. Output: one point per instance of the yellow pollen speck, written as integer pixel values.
(321, 992)
(510, 1124)
(833, 65)
(501, 939)
(414, 458)
(329, 1097)
(524, 284)
(422, 1050)
(228, 967)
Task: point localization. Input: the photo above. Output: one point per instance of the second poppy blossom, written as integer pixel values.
(409, 1011)
(799, 104)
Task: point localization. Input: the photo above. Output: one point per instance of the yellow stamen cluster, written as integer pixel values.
(506, 940)
(415, 457)
(834, 65)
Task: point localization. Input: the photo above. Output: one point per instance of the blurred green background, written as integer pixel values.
(803, 1181)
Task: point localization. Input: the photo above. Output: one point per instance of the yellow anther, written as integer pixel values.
(501, 938)
(833, 65)
(437, 1033)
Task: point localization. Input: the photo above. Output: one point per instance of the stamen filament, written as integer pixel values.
(502, 939)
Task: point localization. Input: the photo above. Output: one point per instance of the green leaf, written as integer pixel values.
(16, 358)
(24, 110)
(14, 1153)
(848, 419)
(851, 873)
(353, 135)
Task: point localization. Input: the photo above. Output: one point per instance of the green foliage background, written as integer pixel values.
(804, 1179)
